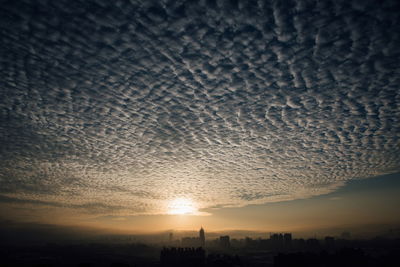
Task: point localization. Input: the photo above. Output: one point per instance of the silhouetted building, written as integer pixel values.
(281, 240)
(224, 241)
(312, 243)
(223, 260)
(202, 237)
(329, 242)
(345, 235)
(276, 238)
(195, 241)
(287, 237)
(195, 257)
(248, 242)
(190, 242)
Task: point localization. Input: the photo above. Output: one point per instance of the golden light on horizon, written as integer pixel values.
(182, 206)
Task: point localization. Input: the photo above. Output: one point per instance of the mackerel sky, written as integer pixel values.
(119, 107)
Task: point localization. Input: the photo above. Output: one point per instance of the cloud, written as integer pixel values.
(131, 104)
(90, 207)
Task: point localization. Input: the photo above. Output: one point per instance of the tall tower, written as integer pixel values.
(202, 237)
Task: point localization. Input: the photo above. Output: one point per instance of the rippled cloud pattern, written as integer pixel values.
(120, 106)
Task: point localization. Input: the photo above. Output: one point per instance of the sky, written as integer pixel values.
(364, 207)
(213, 109)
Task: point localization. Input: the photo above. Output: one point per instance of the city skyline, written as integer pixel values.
(146, 116)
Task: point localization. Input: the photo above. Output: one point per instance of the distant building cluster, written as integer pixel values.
(199, 241)
(275, 242)
(191, 251)
(281, 239)
(224, 241)
(195, 251)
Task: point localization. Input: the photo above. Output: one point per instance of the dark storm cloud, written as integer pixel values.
(131, 102)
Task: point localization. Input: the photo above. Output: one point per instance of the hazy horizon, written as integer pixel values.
(43, 233)
(379, 190)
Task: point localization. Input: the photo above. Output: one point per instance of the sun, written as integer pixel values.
(181, 206)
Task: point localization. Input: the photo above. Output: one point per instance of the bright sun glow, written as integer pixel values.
(181, 206)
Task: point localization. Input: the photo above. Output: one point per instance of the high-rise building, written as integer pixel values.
(224, 241)
(202, 237)
(287, 237)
